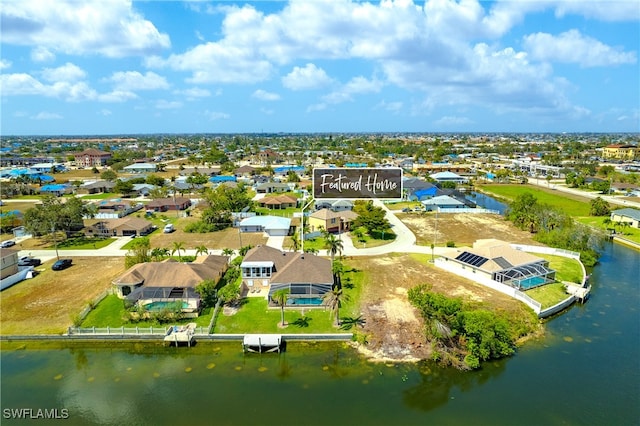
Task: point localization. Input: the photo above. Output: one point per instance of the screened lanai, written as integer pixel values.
(524, 277)
(302, 293)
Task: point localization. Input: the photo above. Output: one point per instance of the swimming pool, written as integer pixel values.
(158, 306)
(305, 301)
(530, 282)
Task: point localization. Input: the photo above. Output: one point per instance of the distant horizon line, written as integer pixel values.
(120, 135)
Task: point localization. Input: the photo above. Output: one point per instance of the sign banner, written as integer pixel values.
(357, 183)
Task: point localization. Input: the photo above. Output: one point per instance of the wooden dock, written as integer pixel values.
(262, 343)
(181, 334)
(580, 293)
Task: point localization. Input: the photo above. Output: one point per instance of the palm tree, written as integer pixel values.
(201, 249)
(177, 247)
(295, 241)
(333, 300)
(280, 298)
(333, 246)
(311, 250)
(228, 252)
(158, 253)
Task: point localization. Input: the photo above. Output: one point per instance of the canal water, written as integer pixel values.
(487, 202)
(584, 371)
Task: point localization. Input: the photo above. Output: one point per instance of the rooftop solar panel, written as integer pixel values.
(471, 259)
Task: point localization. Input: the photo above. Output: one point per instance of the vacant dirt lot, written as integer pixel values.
(393, 326)
(228, 238)
(462, 229)
(46, 303)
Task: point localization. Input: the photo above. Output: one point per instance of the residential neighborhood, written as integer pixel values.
(201, 230)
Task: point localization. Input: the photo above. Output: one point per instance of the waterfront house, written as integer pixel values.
(155, 284)
(498, 261)
(442, 177)
(306, 276)
(442, 202)
(628, 215)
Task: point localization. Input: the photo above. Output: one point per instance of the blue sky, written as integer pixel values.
(71, 67)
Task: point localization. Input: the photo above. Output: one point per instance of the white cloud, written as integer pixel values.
(105, 112)
(20, 84)
(68, 72)
(42, 54)
(216, 115)
(611, 11)
(193, 93)
(117, 96)
(47, 116)
(394, 107)
(110, 28)
(134, 81)
(164, 104)
(4, 64)
(306, 78)
(263, 95)
(452, 121)
(573, 47)
(219, 63)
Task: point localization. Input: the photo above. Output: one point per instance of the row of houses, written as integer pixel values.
(265, 269)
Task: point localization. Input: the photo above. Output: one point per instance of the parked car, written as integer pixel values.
(29, 261)
(61, 264)
(168, 229)
(7, 243)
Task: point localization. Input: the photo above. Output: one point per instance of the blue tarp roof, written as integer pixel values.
(285, 169)
(54, 187)
(222, 178)
(427, 192)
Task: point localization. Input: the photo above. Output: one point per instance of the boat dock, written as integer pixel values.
(262, 343)
(181, 334)
(579, 292)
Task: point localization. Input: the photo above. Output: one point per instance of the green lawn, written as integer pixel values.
(399, 205)
(254, 316)
(288, 212)
(569, 204)
(369, 241)
(84, 243)
(548, 295)
(629, 233)
(101, 196)
(566, 269)
(111, 313)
